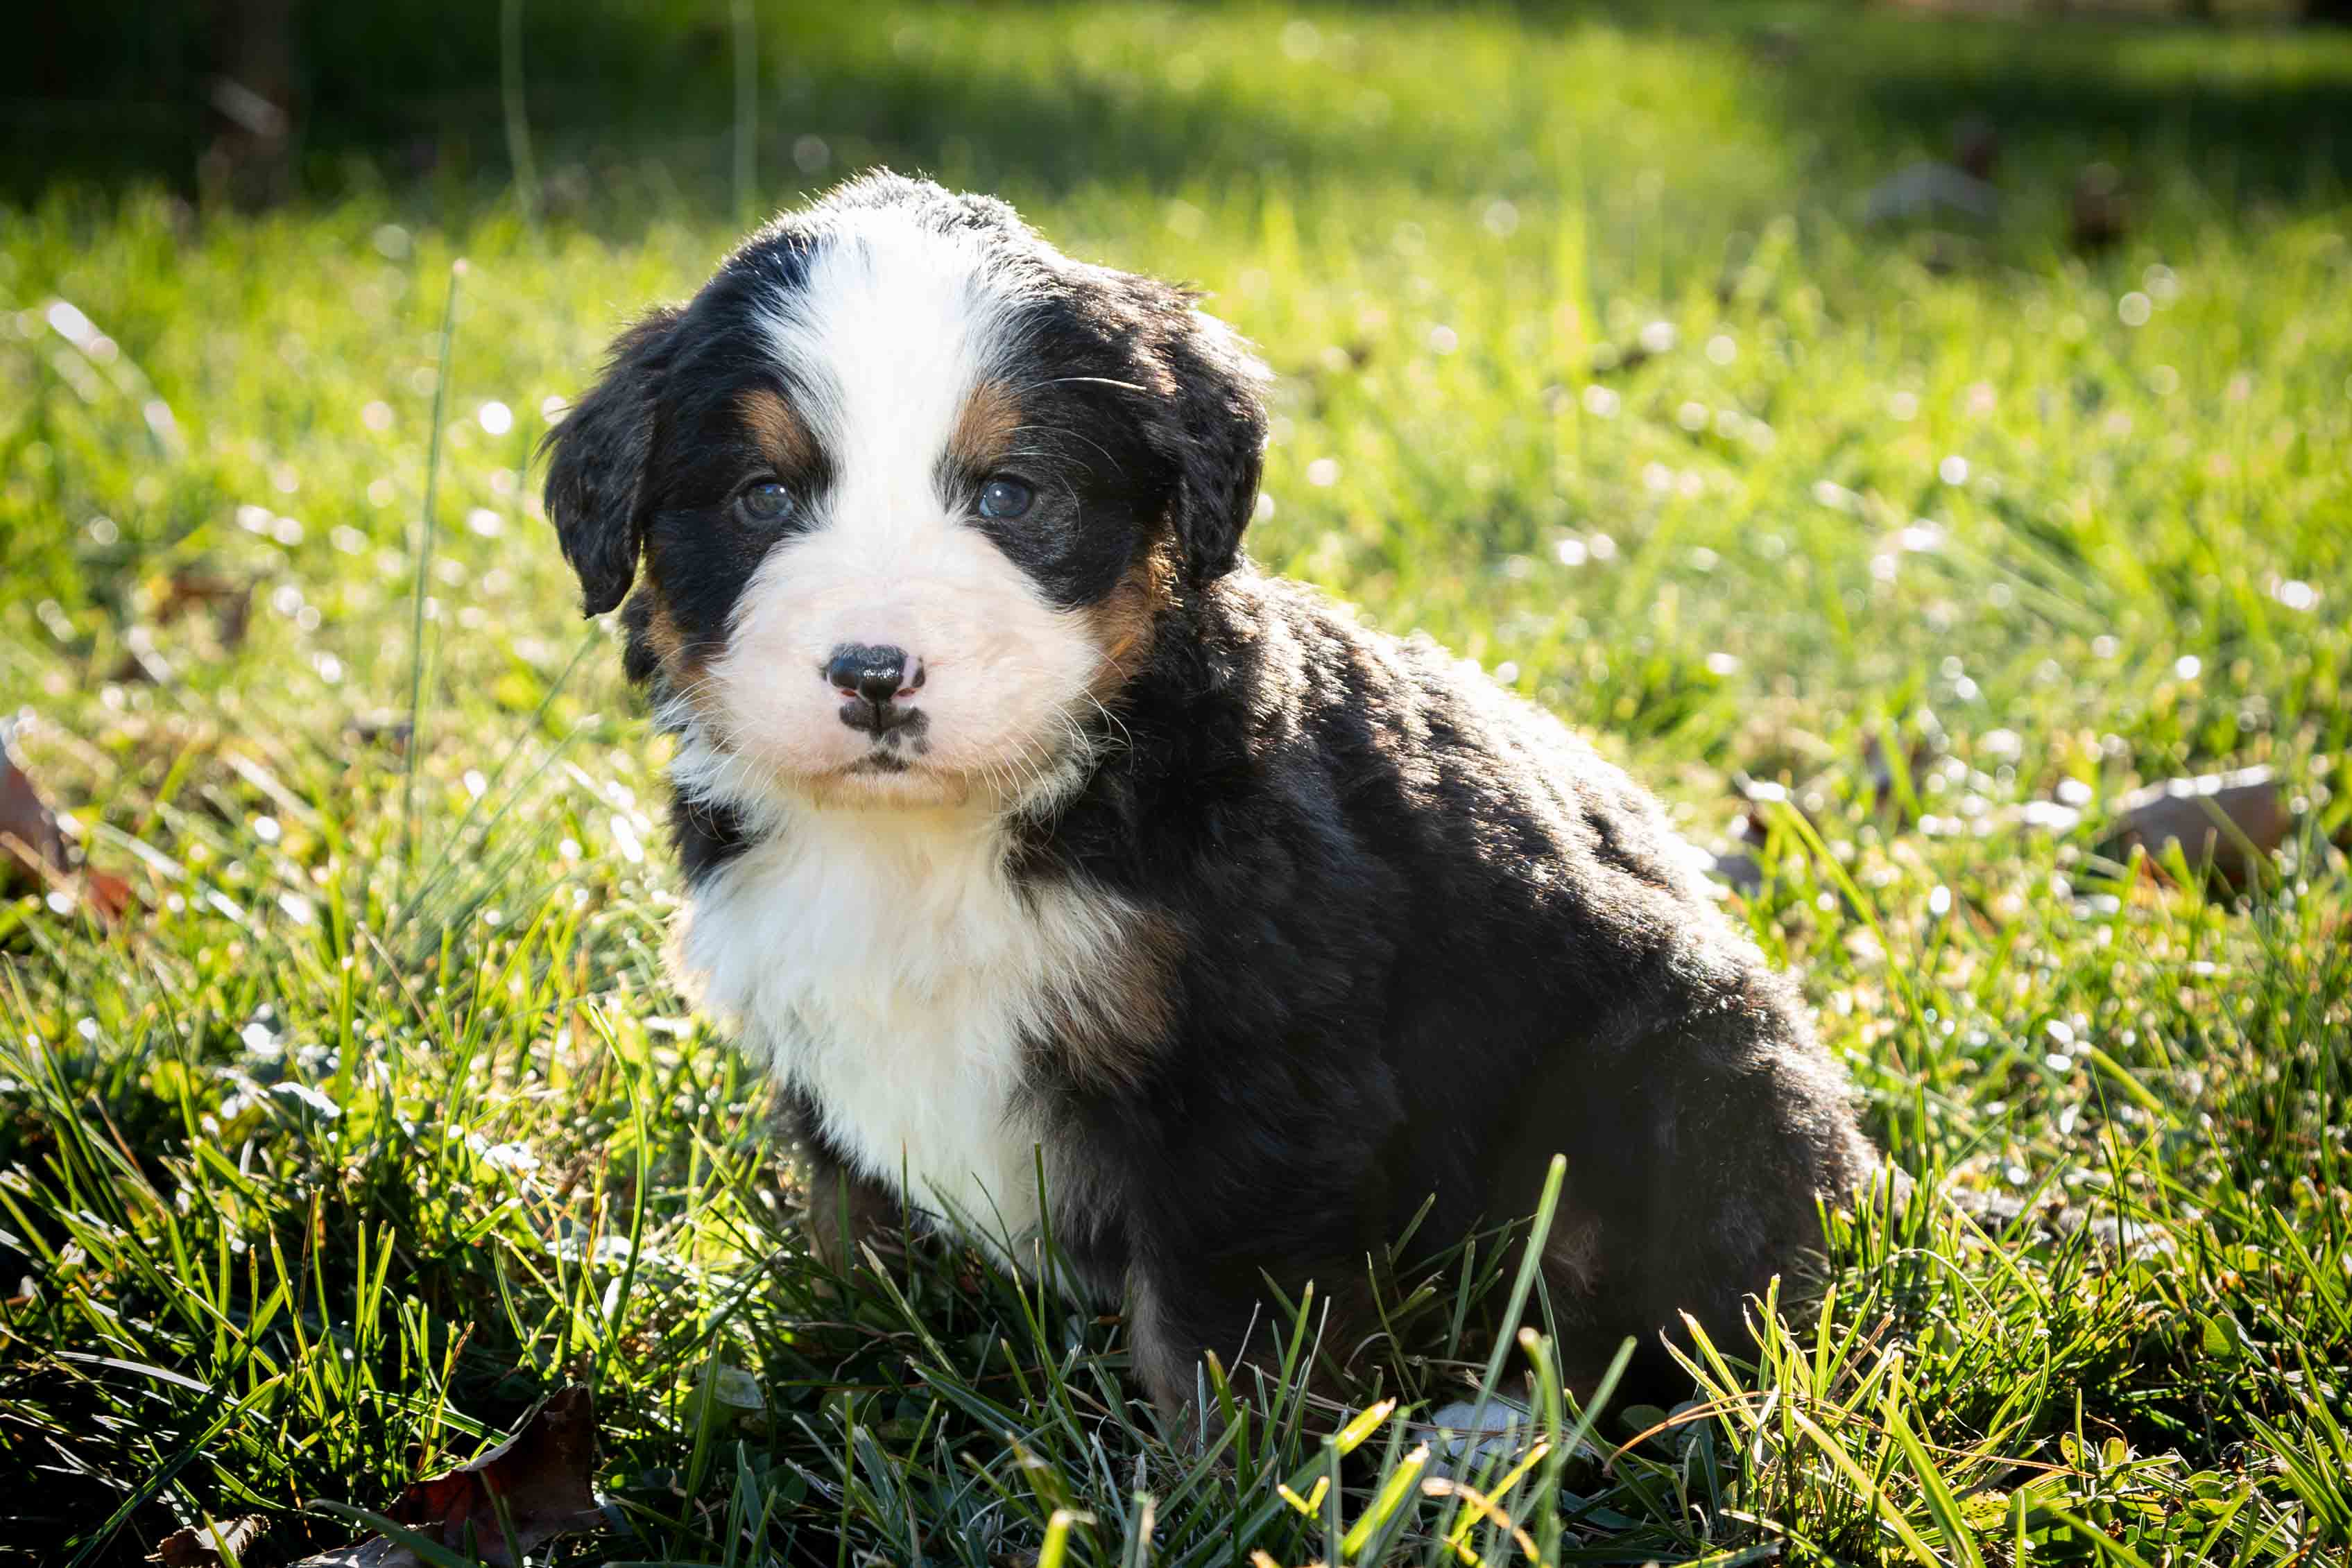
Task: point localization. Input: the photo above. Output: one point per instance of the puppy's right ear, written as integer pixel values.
(596, 467)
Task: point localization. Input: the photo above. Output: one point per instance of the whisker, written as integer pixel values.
(1074, 435)
(1084, 380)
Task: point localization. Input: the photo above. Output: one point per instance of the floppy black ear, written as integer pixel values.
(597, 470)
(1221, 449)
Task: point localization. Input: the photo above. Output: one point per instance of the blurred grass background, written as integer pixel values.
(367, 1125)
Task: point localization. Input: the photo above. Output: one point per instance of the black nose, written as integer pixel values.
(873, 678)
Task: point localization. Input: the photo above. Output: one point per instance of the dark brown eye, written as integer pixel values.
(1001, 498)
(765, 502)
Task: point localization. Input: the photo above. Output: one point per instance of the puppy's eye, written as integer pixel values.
(1003, 499)
(765, 502)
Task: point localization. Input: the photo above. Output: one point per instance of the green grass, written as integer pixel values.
(371, 1125)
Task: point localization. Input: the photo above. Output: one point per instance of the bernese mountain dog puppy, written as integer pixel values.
(1025, 827)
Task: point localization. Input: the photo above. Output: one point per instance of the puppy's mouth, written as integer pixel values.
(899, 769)
(894, 752)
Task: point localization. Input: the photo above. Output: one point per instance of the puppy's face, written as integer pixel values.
(907, 489)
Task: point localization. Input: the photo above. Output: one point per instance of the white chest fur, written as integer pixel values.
(887, 965)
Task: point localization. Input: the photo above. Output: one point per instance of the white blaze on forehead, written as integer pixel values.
(892, 330)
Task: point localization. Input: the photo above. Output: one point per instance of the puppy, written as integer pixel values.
(1026, 828)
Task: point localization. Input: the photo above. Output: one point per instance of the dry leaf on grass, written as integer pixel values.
(211, 1545)
(227, 600)
(28, 830)
(543, 1474)
(2233, 819)
(32, 845)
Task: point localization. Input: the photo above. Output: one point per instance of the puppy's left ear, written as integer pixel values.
(596, 467)
(1220, 451)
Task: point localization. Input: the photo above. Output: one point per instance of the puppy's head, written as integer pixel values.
(907, 488)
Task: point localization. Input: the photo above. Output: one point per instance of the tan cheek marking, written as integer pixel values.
(1123, 621)
(662, 637)
(984, 427)
(777, 431)
(684, 669)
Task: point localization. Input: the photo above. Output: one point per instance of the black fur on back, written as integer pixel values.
(1429, 939)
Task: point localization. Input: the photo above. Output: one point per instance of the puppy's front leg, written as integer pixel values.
(845, 1210)
(1170, 1323)
(1176, 1316)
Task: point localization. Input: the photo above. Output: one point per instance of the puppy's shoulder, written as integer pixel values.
(1310, 662)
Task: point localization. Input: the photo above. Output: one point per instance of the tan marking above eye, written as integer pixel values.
(984, 426)
(778, 432)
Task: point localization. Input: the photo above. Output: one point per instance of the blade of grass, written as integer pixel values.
(426, 523)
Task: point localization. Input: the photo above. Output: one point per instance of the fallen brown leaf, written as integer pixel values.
(28, 828)
(212, 1545)
(33, 847)
(543, 1474)
(2234, 820)
(108, 894)
(227, 599)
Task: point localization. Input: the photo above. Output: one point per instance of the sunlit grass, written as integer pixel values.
(346, 1145)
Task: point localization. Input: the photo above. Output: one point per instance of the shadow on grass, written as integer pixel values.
(117, 92)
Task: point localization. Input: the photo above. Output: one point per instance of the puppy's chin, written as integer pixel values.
(768, 785)
(886, 781)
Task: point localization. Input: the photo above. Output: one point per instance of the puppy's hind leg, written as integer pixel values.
(1749, 1130)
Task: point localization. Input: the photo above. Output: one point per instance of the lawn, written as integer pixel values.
(370, 1119)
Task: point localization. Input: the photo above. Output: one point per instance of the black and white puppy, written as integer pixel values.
(1017, 811)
